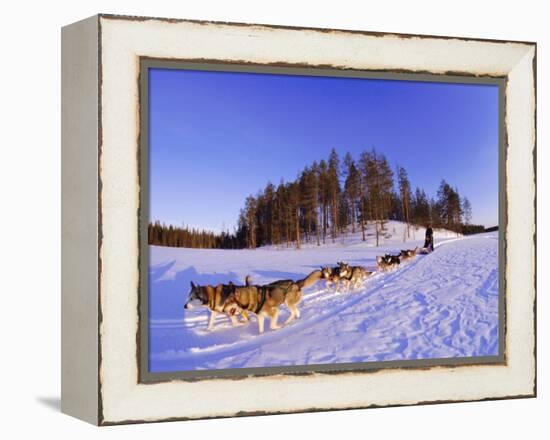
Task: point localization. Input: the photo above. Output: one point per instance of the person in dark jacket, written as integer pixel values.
(429, 242)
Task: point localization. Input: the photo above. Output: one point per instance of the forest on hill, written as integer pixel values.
(328, 199)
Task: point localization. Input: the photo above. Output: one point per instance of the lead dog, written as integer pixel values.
(217, 299)
(265, 300)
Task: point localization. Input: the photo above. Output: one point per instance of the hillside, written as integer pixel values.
(393, 234)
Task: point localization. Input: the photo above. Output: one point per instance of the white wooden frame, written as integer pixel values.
(100, 133)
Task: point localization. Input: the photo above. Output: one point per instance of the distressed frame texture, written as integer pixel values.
(114, 47)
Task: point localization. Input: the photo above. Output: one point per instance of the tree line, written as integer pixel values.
(160, 234)
(329, 199)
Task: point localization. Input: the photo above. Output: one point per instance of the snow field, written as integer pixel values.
(437, 306)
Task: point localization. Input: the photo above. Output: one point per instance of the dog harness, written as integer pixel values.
(348, 277)
(263, 293)
(211, 299)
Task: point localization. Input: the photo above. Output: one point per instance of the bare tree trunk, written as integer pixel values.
(353, 208)
(334, 217)
(317, 229)
(408, 218)
(325, 215)
(363, 218)
(377, 225)
(404, 216)
(297, 229)
(288, 232)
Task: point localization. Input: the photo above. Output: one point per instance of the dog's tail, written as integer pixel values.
(310, 280)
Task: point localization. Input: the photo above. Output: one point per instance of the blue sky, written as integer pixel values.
(216, 137)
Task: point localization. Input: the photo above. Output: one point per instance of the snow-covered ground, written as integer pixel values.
(440, 305)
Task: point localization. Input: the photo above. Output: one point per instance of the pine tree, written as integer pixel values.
(379, 182)
(281, 208)
(294, 210)
(315, 194)
(421, 208)
(467, 211)
(443, 208)
(386, 186)
(269, 195)
(352, 188)
(250, 218)
(323, 197)
(449, 206)
(334, 190)
(366, 185)
(307, 194)
(405, 195)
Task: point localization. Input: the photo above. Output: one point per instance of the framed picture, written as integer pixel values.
(297, 218)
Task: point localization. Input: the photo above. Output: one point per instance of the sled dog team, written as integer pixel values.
(266, 300)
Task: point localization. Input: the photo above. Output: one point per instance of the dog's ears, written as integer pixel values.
(192, 284)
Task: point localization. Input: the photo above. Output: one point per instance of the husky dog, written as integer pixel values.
(265, 300)
(329, 275)
(408, 254)
(388, 262)
(333, 275)
(217, 299)
(353, 275)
